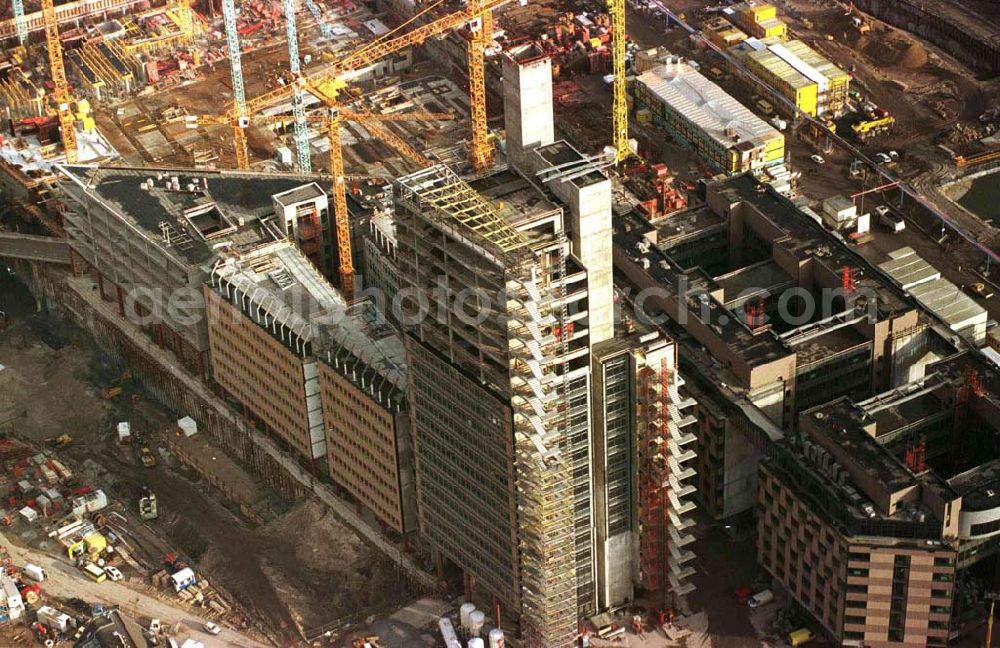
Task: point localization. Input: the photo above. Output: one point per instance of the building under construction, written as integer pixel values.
(502, 391)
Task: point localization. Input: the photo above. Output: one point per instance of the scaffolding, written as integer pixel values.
(535, 355)
(664, 491)
(163, 29)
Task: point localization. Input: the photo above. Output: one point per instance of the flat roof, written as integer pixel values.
(707, 106)
(512, 196)
(146, 199)
(562, 152)
(826, 345)
(979, 486)
(803, 237)
(766, 275)
(839, 423)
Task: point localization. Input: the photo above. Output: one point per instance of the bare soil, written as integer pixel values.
(304, 566)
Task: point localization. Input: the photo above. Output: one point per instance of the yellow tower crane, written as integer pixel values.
(481, 35)
(619, 110)
(64, 100)
(332, 119)
(331, 76)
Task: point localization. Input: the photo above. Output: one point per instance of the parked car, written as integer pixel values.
(113, 573)
(979, 290)
(817, 158)
(800, 636)
(882, 158)
(212, 628)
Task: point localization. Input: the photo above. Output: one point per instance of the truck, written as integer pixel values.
(892, 222)
(148, 509)
(94, 572)
(34, 572)
(147, 457)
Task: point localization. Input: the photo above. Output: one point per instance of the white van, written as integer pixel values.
(34, 572)
(761, 599)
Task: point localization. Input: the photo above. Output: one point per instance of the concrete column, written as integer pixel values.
(527, 102)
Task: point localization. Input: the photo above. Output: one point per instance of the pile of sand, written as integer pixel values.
(904, 53)
(913, 57)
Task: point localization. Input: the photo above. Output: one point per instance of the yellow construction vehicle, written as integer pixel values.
(147, 457)
(871, 127)
(61, 441)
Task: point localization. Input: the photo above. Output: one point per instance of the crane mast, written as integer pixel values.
(303, 159)
(481, 30)
(355, 60)
(241, 120)
(57, 70)
(20, 22)
(619, 110)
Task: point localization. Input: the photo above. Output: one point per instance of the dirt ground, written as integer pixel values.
(303, 566)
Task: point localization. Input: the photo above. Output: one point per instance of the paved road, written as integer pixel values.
(66, 581)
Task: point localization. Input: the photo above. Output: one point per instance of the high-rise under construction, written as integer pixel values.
(499, 395)
(526, 481)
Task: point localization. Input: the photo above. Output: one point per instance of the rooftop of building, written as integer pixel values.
(979, 486)
(514, 198)
(454, 205)
(723, 119)
(842, 423)
(870, 432)
(781, 68)
(112, 630)
(525, 53)
(744, 282)
(935, 293)
(304, 193)
(563, 154)
(293, 292)
(683, 226)
(826, 345)
(804, 239)
(191, 214)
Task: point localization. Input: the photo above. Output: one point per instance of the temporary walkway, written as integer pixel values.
(34, 248)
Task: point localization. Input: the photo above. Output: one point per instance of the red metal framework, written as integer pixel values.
(916, 454)
(655, 537)
(848, 279)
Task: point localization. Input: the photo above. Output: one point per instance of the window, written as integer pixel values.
(942, 578)
(856, 620)
(944, 561)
